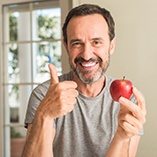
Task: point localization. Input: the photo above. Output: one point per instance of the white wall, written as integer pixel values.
(136, 57)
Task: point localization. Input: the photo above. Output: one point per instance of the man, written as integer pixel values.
(74, 115)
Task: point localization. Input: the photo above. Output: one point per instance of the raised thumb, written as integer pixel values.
(53, 74)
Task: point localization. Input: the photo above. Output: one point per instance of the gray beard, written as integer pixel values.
(98, 74)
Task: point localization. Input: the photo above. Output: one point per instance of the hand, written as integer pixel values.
(131, 116)
(60, 98)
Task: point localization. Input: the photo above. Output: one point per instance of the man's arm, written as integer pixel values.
(131, 118)
(124, 148)
(134, 142)
(39, 139)
(58, 101)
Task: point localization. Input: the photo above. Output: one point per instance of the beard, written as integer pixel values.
(89, 76)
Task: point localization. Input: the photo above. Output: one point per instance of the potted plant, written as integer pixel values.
(17, 143)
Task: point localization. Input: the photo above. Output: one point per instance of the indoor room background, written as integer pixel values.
(135, 57)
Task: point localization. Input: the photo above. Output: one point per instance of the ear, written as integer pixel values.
(112, 45)
(65, 45)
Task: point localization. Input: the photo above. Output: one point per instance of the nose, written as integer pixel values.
(87, 51)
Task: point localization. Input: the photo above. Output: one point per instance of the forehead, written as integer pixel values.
(94, 23)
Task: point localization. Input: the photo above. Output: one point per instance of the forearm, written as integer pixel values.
(40, 139)
(119, 148)
(131, 118)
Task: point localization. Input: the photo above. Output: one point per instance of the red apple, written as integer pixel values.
(120, 88)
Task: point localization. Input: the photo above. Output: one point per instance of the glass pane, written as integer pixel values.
(13, 63)
(17, 22)
(13, 26)
(19, 63)
(47, 24)
(46, 52)
(16, 100)
(11, 107)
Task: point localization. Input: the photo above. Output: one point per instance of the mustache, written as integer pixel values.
(80, 60)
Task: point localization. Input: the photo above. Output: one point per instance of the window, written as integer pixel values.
(31, 39)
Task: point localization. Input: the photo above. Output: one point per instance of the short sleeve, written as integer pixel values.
(36, 97)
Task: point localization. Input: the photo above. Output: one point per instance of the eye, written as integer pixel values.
(97, 43)
(76, 44)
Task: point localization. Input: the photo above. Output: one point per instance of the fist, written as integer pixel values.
(60, 98)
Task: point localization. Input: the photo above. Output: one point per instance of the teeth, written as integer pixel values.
(88, 64)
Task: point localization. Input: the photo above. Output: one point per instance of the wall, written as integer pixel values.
(135, 57)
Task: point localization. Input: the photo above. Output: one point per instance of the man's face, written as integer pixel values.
(89, 47)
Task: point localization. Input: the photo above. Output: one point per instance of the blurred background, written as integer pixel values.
(31, 37)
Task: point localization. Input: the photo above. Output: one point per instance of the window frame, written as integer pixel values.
(65, 6)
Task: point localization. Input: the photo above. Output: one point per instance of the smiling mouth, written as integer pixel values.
(87, 63)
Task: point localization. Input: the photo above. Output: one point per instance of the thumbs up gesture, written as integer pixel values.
(60, 97)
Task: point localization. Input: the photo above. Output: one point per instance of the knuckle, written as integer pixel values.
(123, 124)
(137, 110)
(139, 127)
(126, 117)
(59, 87)
(144, 120)
(76, 93)
(73, 100)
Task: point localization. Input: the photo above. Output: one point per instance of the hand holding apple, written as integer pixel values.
(120, 88)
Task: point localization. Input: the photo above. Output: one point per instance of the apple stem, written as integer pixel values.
(123, 77)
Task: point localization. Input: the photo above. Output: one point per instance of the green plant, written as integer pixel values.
(14, 134)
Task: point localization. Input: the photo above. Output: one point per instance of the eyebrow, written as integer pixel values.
(78, 40)
(97, 38)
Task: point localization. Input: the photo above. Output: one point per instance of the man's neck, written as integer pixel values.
(90, 90)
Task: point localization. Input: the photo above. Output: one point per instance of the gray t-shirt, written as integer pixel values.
(88, 130)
